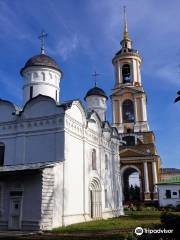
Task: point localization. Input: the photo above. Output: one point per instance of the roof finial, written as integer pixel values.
(42, 39)
(95, 75)
(125, 24)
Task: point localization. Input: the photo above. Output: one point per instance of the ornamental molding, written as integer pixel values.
(34, 124)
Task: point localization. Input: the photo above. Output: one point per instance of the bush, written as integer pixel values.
(169, 208)
(139, 206)
(171, 221)
(131, 237)
(178, 208)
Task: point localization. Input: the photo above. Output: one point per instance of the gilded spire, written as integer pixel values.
(126, 42)
(126, 36)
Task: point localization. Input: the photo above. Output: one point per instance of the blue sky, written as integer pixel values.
(83, 36)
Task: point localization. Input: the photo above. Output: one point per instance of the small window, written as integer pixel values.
(56, 95)
(168, 193)
(174, 194)
(94, 159)
(106, 198)
(106, 161)
(2, 151)
(31, 92)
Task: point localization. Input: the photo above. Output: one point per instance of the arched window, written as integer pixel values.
(56, 95)
(106, 161)
(94, 159)
(2, 150)
(128, 111)
(31, 92)
(126, 73)
(43, 76)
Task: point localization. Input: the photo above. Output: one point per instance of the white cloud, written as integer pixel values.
(65, 47)
(169, 73)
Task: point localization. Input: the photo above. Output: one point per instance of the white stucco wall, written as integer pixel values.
(35, 135)
(45, 132)
(163, 200)
(44, 81)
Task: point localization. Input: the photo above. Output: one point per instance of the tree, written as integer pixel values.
(178, 97)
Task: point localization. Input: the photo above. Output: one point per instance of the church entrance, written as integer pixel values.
(15, 206)
(95, 199)
(132, 187)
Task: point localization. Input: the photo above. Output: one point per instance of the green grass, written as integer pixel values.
(110, 229)
(131, 220)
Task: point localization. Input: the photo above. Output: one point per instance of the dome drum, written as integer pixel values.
(41, 76)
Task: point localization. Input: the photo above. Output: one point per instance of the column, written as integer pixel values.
(139, 72)
(146, 182)
(154, 173)
(134, 70)
(143, 107)
(119, 73)
(120, 112)
(136, 110)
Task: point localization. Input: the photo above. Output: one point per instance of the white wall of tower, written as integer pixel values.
(98, 104)
(43, 80)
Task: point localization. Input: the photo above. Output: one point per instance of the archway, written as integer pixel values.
(95, 199)
(132, 187)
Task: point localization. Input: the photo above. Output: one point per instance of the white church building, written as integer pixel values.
(59, 162)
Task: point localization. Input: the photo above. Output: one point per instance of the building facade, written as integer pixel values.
(59, 161)
(169, 191)
(129, 103)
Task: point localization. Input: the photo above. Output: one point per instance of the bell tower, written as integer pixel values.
(128, 96)
(129, 104)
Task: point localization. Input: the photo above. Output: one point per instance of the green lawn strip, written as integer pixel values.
(106, 225)
(131, 220)
(143, 215)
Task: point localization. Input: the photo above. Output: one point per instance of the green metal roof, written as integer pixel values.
(175, 179)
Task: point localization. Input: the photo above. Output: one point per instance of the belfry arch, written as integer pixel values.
(128, 111)
(132, 188)
(95, 200)
(126, 73)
